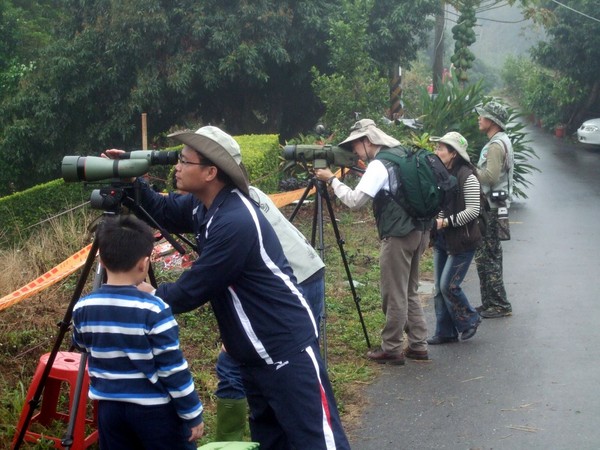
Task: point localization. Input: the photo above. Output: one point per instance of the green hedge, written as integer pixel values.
(260, 154)
(19, 212)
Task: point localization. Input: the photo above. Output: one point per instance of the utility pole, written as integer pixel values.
(438, 47)
(396, 93)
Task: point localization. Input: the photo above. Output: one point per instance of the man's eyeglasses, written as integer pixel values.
(189, 163)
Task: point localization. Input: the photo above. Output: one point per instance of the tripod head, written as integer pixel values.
(110, 198)
(121, 195)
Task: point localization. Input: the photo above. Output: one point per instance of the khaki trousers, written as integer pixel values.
(399, 266)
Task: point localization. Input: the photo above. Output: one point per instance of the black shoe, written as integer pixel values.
(437, 340)
(469, 332)
(493, 313)
(479, 308)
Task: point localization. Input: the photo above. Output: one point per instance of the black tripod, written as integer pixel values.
(112, 199)
(317, 225)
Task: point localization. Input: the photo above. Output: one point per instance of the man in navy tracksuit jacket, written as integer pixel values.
(265, 322)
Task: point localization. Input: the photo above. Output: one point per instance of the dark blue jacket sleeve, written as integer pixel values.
(174, 212)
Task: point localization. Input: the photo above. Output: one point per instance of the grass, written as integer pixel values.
(28, 329)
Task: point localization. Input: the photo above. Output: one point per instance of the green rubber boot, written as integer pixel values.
(232, 417)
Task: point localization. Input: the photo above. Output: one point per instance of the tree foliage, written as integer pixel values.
(241, 65)
(363, 50)
(453, 109)
(245, 66)
(356, 88)
(550, 95)
(573, 49)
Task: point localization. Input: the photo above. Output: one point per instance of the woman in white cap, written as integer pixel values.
(456, 238)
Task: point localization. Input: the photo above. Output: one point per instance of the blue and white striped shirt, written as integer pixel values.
(133, 342)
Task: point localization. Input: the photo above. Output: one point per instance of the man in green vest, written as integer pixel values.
(403, 241)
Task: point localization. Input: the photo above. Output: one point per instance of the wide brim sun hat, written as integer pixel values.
(219, 147)
(495, 112)
(455, 140)
(366, 127)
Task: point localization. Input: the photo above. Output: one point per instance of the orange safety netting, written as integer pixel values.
(74, 262)
(54, 275)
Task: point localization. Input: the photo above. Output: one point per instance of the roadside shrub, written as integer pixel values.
(453, 109)
(551, 96)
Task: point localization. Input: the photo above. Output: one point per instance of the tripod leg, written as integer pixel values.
(67, 440)
(318, 227)
(64, 327)
(323, 192)
(311, 184)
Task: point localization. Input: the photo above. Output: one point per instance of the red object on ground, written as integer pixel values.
(64, 370)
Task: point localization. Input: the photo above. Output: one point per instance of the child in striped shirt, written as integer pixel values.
(145, 392)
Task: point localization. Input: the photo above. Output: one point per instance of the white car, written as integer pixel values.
(589, 132)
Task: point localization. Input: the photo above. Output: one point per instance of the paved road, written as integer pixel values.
(530, 381)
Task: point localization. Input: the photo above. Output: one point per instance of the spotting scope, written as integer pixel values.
(320, 156)
(129, 164)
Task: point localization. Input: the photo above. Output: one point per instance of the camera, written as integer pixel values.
(129, 164)
(498, 196)
(321, 156)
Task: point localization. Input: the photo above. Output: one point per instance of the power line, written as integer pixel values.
(502, 21)
(494, 5)
(575, 11)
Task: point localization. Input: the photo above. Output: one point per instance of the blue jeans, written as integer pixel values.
(313, 290)
(453, 312)
(228, 370)
(230, 378)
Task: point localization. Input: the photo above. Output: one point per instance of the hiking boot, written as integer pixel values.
(420, 355)
(382, 357)
(494, 313)
(437, 340)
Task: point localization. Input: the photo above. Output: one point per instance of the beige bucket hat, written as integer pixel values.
(456, 141)
(216, 145)
(366, 127)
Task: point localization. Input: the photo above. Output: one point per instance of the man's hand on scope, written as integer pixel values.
(323, 174)
(113, 153)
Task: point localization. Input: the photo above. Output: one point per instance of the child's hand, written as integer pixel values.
(197, 432)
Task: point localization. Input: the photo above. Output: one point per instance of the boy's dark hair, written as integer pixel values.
(123, 241)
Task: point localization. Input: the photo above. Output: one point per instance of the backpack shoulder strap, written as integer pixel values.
(395, 155)
(506, 159)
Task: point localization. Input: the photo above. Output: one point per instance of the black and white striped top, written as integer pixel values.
(471, 190)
